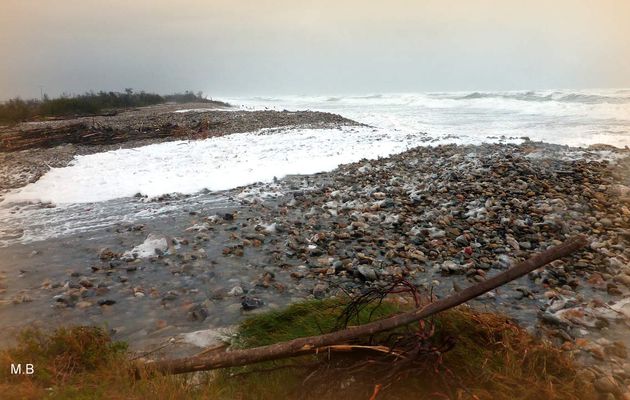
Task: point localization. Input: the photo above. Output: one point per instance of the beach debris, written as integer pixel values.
(154, 245)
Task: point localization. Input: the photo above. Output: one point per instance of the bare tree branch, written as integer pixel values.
(313, 344)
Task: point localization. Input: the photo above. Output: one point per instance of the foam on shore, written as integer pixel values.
(215, 164)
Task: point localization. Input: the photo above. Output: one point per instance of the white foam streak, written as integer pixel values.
(576, 118)
(215, 164)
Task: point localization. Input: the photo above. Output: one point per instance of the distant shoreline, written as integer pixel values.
(28, 150)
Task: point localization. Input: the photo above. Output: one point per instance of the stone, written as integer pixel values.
(319, 291)
(236, 291)
(461, 240)
(170, 296)
(623, 279)
(155, 244)
(450, 267)
(607, 384)
(86, 283)
(106, 254)
(251, 303)
(198, 312)
(617, 349)
(368, 273)
(83, 304)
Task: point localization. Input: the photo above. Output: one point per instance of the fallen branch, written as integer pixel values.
(313, 344)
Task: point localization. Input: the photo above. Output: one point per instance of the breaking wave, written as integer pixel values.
(577, 97)
(571, 117)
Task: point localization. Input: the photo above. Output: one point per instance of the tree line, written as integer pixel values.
(90, 103)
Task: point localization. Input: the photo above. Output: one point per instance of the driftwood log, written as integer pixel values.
(313, 344)
(83, 133)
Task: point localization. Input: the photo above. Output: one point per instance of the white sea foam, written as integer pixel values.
(576, 118)
(398, 121)
(202, 110)
(215, 164)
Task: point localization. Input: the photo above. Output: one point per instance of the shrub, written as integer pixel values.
(90, 103)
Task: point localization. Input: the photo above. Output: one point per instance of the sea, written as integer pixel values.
(570, 117)
(98, 190)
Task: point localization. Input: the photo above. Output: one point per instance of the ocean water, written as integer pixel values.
(96, 191)
(571, 117)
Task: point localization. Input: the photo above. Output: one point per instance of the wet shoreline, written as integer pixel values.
(441, 218)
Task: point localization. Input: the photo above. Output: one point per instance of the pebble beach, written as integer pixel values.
(441, 217)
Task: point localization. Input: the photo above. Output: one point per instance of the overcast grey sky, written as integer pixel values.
(260, 47)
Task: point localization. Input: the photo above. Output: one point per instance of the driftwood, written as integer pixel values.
(146, 124)
(314, 344)
(82, 133)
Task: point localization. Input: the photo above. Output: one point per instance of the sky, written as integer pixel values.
(271, 47)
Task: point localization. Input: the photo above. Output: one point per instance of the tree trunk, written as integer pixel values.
(311, 344)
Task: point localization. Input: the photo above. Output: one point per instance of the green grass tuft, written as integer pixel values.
(310, 318)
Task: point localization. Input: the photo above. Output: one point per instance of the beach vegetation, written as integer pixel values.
(90, 103)
(462, 354)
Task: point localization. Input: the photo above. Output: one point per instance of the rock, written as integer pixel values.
(68, 298)
(84, 304)
(107, 302)
(607, 384)
(106, 254)
(170, 296)
(513, 243)
(236, 291)
(623, 279)
(450, 267)
(368, 273)
(596, 351)
(266, 280)
(621, 191)
(319, 291)
(436, 233)
(314, 251)
(270, 229)
(622, 307)
(155, 244)
(612, 289)
(218, 294)
(582, 316)
(86, 283)
(364, 169)
(553, 319)
(586, 375)
(21, 298)
(617, 349)
(198, 312)
(461, 240)
(251, 303)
